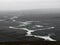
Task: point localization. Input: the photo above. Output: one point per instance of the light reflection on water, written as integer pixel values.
(32, 26)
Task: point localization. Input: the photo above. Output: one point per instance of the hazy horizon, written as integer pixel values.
(13, 5)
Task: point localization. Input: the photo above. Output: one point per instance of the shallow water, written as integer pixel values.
(34, 27)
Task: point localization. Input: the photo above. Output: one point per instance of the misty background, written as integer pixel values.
(12, 5)
(15, 7)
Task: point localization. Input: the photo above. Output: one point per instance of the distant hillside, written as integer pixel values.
(46, 13)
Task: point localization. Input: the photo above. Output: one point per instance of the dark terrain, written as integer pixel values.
(49, 19)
